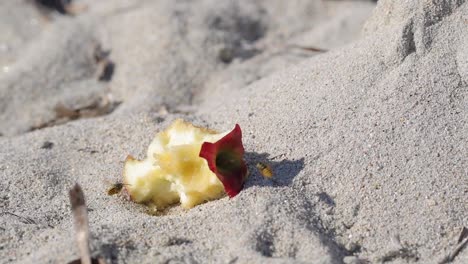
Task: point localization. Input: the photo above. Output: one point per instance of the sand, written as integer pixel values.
(368, 140)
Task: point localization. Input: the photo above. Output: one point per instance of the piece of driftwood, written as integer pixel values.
(80, 216)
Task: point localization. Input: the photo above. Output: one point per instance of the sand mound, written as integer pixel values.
(368, 141)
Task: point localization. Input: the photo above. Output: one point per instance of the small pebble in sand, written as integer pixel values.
(47, 145)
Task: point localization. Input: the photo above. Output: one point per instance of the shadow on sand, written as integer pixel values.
(284, 170)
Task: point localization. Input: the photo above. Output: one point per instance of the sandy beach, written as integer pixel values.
(360, 108)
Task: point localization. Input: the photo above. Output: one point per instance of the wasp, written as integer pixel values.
(265, 170)
(116, 188)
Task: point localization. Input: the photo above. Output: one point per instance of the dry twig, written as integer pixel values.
(308, 48)
(25, 220)
(462, 242)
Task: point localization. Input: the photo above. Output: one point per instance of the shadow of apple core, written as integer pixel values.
(284, 170)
